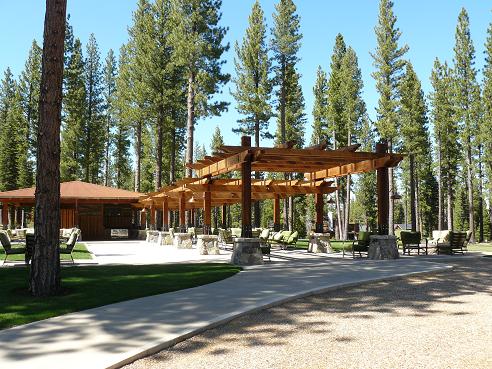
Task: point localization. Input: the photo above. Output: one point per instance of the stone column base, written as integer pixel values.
(247, 251)
(182, 241)
(320, 243)
(383, 248)
(207, 245)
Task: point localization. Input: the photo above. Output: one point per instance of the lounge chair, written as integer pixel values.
(289, 241)
(7, 246)
(264, 245)
(456, 244)
(225, 239)
(70, 245)
(279, 238)
(360, 245)
(412, 241)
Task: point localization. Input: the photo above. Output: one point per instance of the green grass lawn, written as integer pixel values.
(480, 247)
(87, 287)
(80, 252)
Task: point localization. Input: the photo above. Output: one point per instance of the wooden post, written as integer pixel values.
(207, 212)
(152, 217)
(224, 216)
(319, 212)
(165, 215)
(383, 193)
(76, 213)
(182, 212)
(5, 215)
(143, 219)
(276, 213)
(17, 216)
(246, 230)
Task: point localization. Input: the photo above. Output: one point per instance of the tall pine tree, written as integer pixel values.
(109, 94)
(389, 69)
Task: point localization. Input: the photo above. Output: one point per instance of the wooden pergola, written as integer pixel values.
(317, 165)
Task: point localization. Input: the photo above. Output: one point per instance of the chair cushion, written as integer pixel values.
(5, 241)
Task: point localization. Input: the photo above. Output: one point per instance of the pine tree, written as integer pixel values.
(121, 150)
(197, 39)
(389, 67)
(486, 127)
(30, 80)
(9, 116)
(416, 142)
(285, 44)
(109, 93)
(446, 136)
(335, 117)
(74, 110)
(353, 112)
(467, 94)
(320, 107)
(93, 128)
(366, 184)
(253, 85)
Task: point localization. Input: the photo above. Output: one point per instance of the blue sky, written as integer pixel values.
(427, 27)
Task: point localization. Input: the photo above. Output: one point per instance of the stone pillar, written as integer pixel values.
(247, 251)
(246, 230)
(383, 247)
(165, 215)
(207, 213)
(319, 212)
(383, 193)
(207, 245)
(182, 212)
(319, 243)
(276, 213)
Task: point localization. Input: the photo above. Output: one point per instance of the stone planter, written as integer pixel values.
(247, 251)
(182, 241)
(207, 245)
(153, 237)
(166, 238)
(319, 243)
(383, 248)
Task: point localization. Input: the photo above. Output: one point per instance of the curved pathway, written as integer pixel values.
(113, 335)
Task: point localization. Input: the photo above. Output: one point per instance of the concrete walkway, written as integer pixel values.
(116, 334)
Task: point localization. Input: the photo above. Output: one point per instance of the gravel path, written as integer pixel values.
(436, 321)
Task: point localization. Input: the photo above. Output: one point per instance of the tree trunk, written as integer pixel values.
(391, 210)
(45, 267)
(347, 200)
(338, 234)
(138, 155)
(256, 204)
(413, 198)
(480, 196)
(450, 200)
(283, 132)
(439, 186)
(158, 164)
(291, 213)
(106, 159)
(469, 174)
(172, 164)
(190, 124)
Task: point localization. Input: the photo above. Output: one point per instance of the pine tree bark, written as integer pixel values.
(439, 186)
(138, 154)
(469, 174)
(45, 268)
(158, 163)
(480, 197)
(347, 200)
(450, 198)
(172, 164)
(413, 198)
(391, 208)
(190, 127)
(256, 204)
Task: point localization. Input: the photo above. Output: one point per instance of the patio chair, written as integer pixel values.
(279, 238)
(7, 246)
(70, 245)
(412, 241)
(360, 245)
(264, 245)
(456, 244)
(225, 239)
(289, 241)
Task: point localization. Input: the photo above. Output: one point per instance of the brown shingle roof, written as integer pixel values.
(78, 190)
